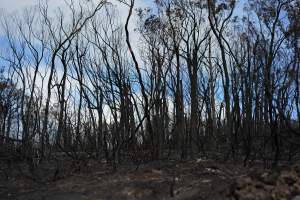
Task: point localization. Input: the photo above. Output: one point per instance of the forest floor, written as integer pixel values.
(186, 180)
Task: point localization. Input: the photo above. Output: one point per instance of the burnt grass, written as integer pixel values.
(165, 179)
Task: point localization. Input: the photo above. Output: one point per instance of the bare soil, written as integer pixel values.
(186, 180)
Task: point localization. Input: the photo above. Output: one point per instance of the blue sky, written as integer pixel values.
(15, 5)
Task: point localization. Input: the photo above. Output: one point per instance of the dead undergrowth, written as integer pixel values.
(168, 179)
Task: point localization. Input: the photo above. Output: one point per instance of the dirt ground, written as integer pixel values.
(193, 179)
